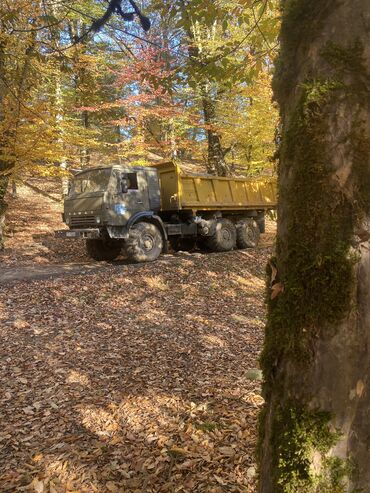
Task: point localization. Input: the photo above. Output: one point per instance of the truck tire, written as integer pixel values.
(182, 244)
(145, 242)
(103, 249)
(223, 238)
(247, 233)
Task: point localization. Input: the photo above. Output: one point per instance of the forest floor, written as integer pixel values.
(126, 378)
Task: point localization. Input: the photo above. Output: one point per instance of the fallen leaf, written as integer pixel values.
(276, 289)
(38, 485)
(111, 487)
(228, 451)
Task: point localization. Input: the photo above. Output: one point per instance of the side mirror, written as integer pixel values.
(124, 186)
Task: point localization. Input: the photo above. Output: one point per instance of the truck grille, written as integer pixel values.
(82, 221)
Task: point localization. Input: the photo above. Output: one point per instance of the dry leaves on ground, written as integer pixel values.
(133, 379)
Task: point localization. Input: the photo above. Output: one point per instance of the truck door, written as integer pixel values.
(137, 196)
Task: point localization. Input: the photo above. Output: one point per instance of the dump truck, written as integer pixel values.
(144, 210)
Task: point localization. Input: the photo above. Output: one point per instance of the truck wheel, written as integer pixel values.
(145, 243)
(182, 244)
(224, 237)
(103, 249)
(248, 233)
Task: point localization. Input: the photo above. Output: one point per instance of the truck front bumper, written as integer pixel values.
(78, 233)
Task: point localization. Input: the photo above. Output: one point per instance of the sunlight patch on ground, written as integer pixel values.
(78, 377)
(155, 282)
(252, 282)
(213, 340)
(99, 421)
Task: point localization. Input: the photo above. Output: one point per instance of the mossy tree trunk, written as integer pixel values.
(314, 429)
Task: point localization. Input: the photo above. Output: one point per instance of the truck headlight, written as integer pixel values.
(120, 209)
(98, 220)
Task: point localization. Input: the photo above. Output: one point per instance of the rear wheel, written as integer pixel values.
(248, 233)
(183, 244)
(103, 249)
(145, 243)
(223, 238)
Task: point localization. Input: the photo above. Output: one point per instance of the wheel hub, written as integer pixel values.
(226, 234)
(148, 242)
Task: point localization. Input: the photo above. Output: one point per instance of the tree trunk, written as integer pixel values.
(3, 163)
(314, 431)
(78, 30)
(216, 163)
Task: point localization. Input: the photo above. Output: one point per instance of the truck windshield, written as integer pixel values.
(91, 181)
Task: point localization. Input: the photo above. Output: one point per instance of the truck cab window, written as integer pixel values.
(132, 183)
(90, 181)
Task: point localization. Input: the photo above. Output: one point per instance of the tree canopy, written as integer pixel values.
(83, 81)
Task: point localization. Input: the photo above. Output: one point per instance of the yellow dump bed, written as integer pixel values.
(207, 192)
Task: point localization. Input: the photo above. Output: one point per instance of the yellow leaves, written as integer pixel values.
(249, 121)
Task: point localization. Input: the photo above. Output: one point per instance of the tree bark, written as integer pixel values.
(77, 30)
(3, 163)
(314, 431)
(216, 163)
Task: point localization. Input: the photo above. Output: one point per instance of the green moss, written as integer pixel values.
(346, 59)
(206, 426)
(334, 475)
(360, 146)
(297, 435)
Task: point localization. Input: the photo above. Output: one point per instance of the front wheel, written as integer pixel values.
(145, 242)
(103, 249)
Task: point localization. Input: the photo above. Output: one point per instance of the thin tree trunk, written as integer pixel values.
(216, 163)
(314, 433)
(85, 152)
(55, 36)
(59, 120)
(14, 190)
(77, 30)
(3, 164)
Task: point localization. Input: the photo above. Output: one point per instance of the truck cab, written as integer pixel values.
(103, 205)
(110, 196)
